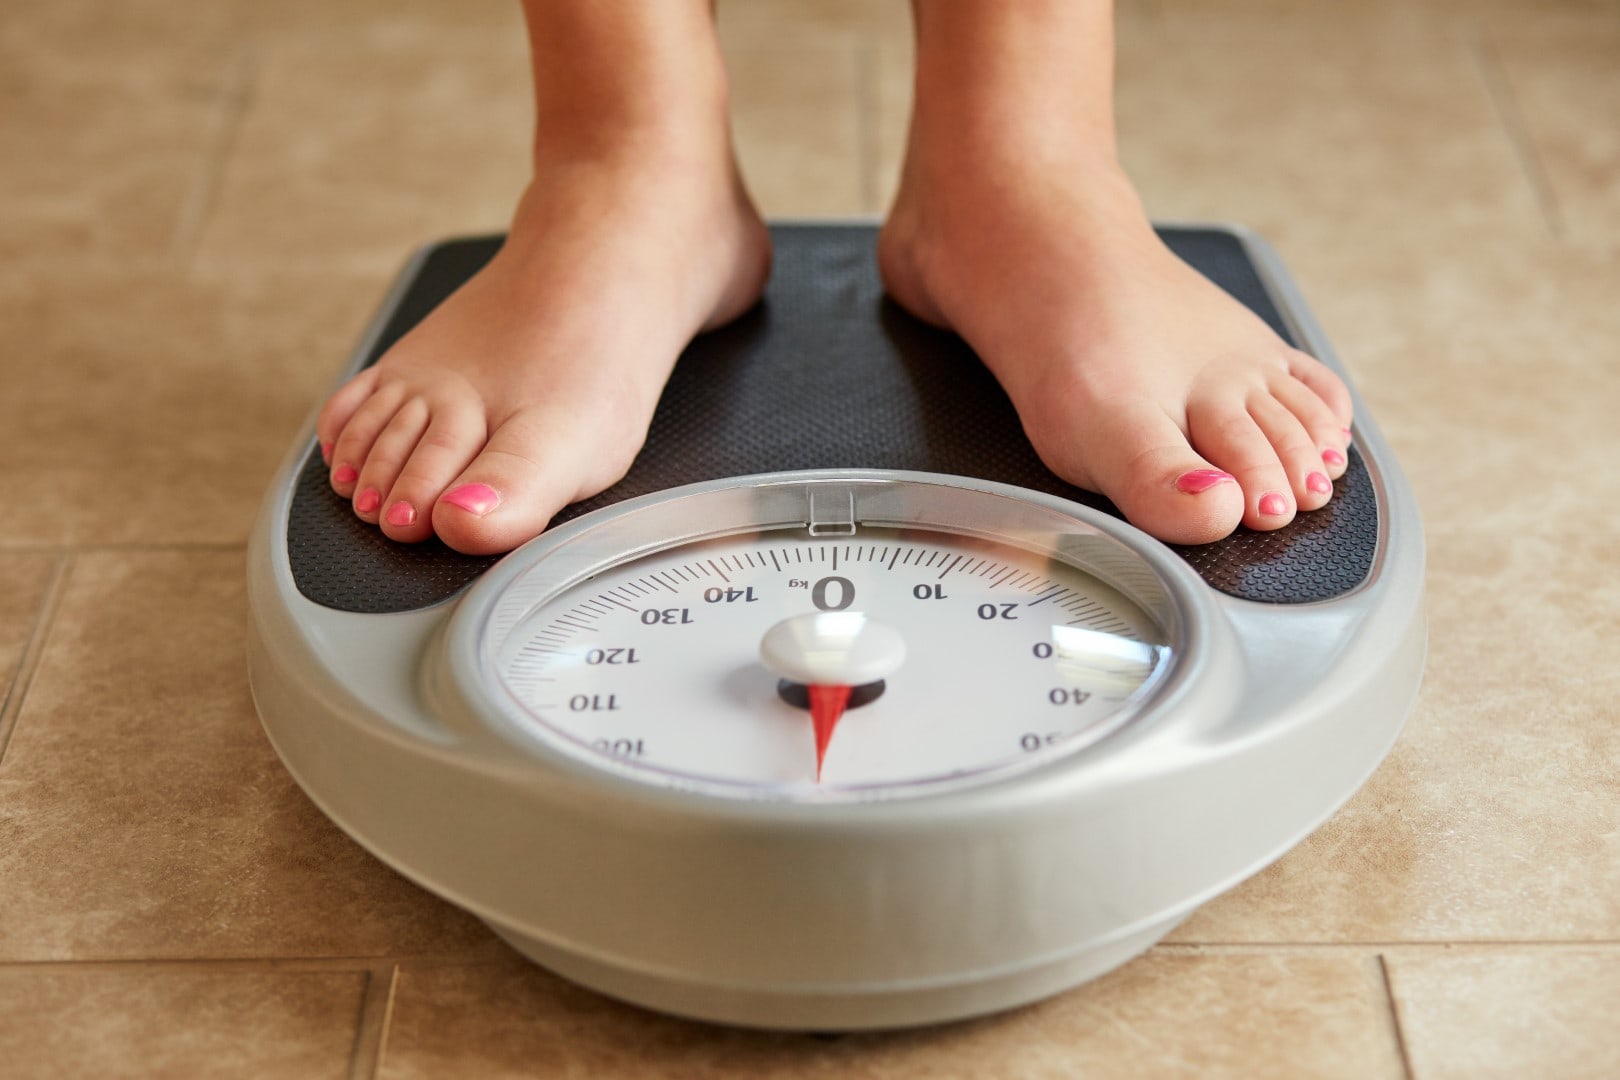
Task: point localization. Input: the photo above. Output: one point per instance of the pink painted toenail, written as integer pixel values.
(367, 501)
(1319, 483)
(401, 513)
(1347, 432)
(1197, 480)
(1273, 504)
(476, 499)
(345, 474)
(1332, 456)
(326, 452)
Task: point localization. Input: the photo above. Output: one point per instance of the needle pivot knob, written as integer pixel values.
(832, 648)
(830, 652)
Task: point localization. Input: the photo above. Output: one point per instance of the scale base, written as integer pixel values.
(865, 1008)
(1310, 654)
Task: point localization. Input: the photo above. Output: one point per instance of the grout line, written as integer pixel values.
(371, 1031)
(388, 1018)
(1500, 91)
(33, 651)
(1394, 1016)
(866, 134)
(234, 100)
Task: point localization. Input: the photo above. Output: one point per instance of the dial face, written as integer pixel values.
(781, 665)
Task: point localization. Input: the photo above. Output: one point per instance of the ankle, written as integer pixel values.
(1039, 71)
(666, 113)
(993, 186)
(616, 79)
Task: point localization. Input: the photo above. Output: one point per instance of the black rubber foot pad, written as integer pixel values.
(826, 373)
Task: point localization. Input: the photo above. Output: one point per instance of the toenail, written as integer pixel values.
(1347, 433)
(367, 501)
(1332, 457)
(326, 452)
(1197, 480)
(345, 474)
(1319, 483)
(1273, 504)
(401, 513)
(476, 499)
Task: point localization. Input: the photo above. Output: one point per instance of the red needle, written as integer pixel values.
(827, 705)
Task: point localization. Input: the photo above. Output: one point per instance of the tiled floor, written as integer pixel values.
(204, 199)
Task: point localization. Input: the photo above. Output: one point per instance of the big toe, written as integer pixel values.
(1143, 462)
(510, 491)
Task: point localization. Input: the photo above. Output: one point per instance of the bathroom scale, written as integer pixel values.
(839, 711)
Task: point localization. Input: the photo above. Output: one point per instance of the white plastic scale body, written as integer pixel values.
(839, 750)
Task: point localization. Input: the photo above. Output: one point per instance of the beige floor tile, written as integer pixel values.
(799, 125)
(1489, 370)
(1492, 820)
(821, 141)
(303, 16)
(783, 21)
(1337, 135)
(890, 70)
(1164, 1015)
(1513, 9)
(361, 142)
(23, 579)
(1563, 77)
(99, 154)
(183, 46)
(142, 812)
(1313, 11)
(150, 407)
(1463, 13)
(1496, 817)
(1478, 1014)
(1296, 15)
(157, 1022)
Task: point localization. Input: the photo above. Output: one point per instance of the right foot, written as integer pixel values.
(532, 386)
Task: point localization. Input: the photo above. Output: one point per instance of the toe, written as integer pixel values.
(511, 490)
(1224, 432)
(335, 414)
(1326, 385)
(353, 445)
(455, 432)
(389, 452)
(1293, 446)
(1142, 461)
(1326, 433)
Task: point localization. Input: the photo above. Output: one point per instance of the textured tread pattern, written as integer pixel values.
(827, 373)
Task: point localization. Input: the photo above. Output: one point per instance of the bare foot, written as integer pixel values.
(533, 385)
(1134, 376)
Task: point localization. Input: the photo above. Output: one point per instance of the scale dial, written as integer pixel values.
(892, 638)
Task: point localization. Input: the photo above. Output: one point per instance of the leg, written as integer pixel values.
(1016, 227)
(533, 385)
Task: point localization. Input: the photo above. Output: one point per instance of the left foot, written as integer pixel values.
(1134, 376)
